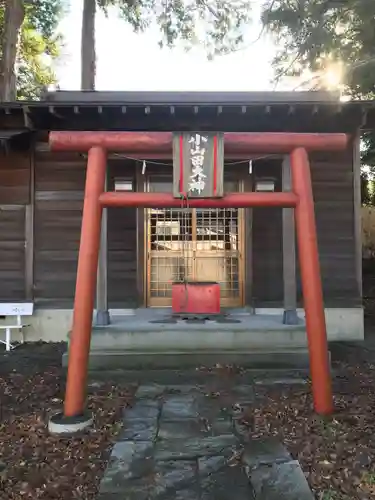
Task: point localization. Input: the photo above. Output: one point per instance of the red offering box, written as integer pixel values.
(196, 297)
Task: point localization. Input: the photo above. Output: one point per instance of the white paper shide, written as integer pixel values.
(197, 181)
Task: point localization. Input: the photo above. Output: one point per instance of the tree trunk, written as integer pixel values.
(13, 19)
(88, 55)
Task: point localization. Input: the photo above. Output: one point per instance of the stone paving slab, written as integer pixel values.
(129, 461)
(282, 481)
(143, 410)
(210, 465)
(150, 391)
(190, 429)
(268, 451)
(175, 474)
(195, 448)
(189, 494)
(184, 442)
(227, 484)
(140, 430)
(180, 407)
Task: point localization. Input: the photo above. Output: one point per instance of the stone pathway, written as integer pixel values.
(187, 442)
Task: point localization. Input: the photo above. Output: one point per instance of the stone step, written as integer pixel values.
(260, 378)
(264, 359)
(211, 337)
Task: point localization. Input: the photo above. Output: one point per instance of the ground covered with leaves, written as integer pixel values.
(38, 465)
(337, 454)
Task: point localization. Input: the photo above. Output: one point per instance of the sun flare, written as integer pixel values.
(333, 77)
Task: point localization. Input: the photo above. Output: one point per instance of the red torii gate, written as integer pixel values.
(159, 144)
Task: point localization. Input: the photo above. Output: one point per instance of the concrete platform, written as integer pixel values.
(140, 332)
(135, 340)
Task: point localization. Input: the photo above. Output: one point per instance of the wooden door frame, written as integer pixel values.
(140, 186)
(244, 219)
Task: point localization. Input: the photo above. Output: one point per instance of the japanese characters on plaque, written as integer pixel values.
(198, 159)
(197, 176)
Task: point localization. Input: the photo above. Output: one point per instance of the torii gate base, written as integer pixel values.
(97, 144)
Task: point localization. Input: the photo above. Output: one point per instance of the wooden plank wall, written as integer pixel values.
(122, 245)
(267, 258)
(12, 253)
(14, 197)
(332, 177)
(59, 187)
(59, 191)
(14, 178)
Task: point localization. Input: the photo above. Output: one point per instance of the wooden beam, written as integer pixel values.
(289, 253)
(161, 142)
(29, 234)
(141, 253)
(167, 200)
(10, 208)
(102, 313)
(248, 245)
(26, 117)
(52, 110)
(357, 211)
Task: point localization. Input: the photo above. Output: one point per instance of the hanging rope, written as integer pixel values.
(164, 164)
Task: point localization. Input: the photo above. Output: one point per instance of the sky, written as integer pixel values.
(126, 61)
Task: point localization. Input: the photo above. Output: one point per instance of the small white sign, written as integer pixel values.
(16, 309)
(123, 185)
(267, 185)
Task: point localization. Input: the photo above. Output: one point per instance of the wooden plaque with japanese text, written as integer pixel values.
(198, 164)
